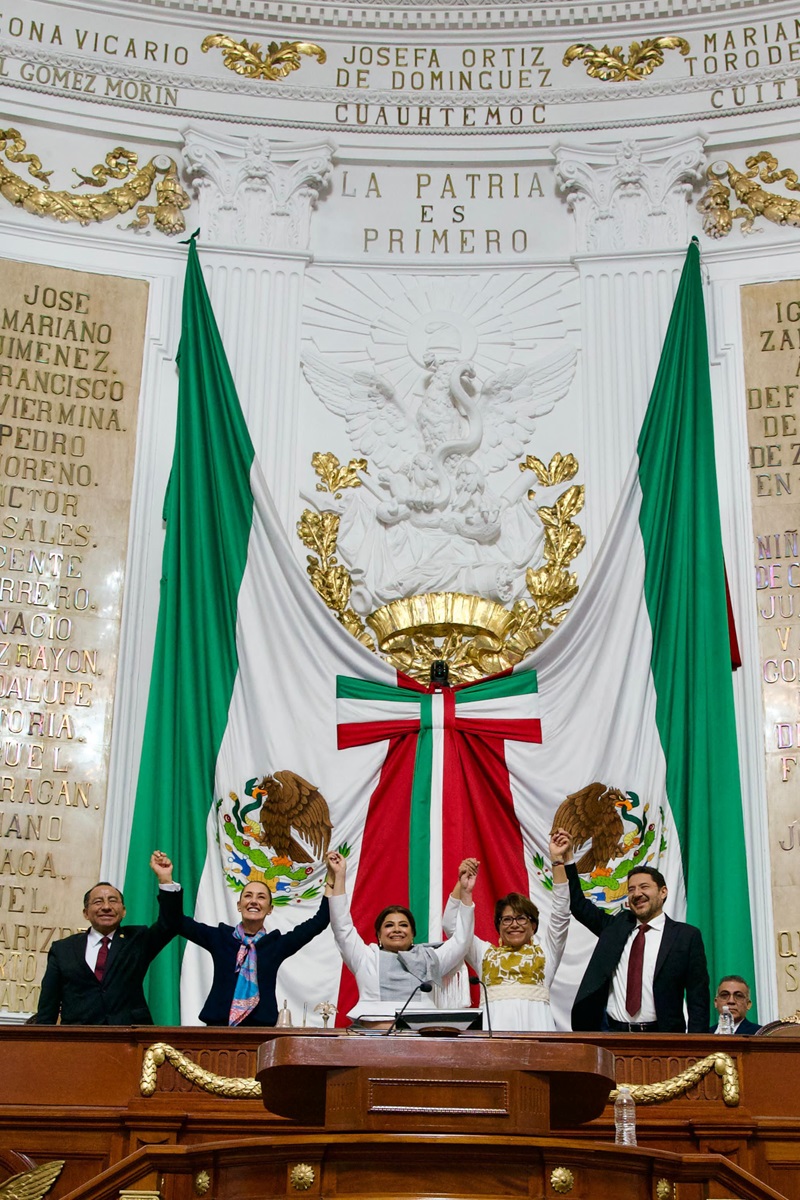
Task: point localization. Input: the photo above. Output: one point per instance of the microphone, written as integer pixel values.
(398, 1016)
(476, 979)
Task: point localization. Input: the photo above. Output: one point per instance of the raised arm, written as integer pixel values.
(453, 952)
(594, 918)
(352, 948)
(558, 926)
(450, 914)
(170, 905)
(302, 934)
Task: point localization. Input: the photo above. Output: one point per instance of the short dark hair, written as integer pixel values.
(651, 871)
(737, 978)
(102, 883)
(394, 908)
(523, 906)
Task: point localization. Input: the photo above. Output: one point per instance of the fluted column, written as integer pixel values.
(256, 206)
(635, 197)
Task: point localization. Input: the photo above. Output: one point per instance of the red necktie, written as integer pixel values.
(102, 958)
(633, 994)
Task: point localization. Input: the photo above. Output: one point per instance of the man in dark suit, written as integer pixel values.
(734, 991)
(616, 994)
(96, 977)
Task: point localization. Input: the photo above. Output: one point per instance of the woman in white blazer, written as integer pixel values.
(389, 970)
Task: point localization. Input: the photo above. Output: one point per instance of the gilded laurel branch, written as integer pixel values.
(33, 1184)
(610, 65)
(333, 476)
(551, 587)
(245, 58)
(755, 201)
(218, 1085)
(679, 1085)
(160, 172)
(319, 532)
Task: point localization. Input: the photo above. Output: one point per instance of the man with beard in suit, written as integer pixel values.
(96, 977)
(644, 963)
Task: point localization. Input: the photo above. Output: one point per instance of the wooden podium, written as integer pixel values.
(411, 1083)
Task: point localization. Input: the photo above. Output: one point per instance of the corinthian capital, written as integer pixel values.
(631, 195)
(255, 193)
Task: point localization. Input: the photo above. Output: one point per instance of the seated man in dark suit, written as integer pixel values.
(643, 965)
(734, 992)
(96, 977)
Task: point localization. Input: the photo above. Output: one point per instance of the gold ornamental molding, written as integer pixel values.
(679, 1085)
(245, 58)
(562, 1180)
(476, 636)
(302, 1177)
(754, 200)
(610, 66)
(161, 172)
(250, 1089)
(218, 1085)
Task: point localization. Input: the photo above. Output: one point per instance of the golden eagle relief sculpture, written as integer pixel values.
(290, 804)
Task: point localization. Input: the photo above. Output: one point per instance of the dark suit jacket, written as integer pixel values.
(71, 989)
(746, 1027)
(270, 953)
(680, 968)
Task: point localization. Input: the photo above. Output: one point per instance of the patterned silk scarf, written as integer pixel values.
(245, 995)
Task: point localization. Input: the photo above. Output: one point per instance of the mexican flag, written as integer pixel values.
(253, 676)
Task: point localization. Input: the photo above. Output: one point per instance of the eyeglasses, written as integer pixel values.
(507, 922)
(732, 996)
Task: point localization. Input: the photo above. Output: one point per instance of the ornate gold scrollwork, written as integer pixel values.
(609, 65)
(664, 1189)
(218, 1085)
(714, 204)
(679, 1085)
(119, 164)
(245, 58)
(477, 637)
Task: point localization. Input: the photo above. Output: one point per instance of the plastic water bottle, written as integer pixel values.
(625, 1118)
(725, 1020)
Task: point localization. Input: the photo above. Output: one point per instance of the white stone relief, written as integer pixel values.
(442, 507)
(629, 196)
(253, 193)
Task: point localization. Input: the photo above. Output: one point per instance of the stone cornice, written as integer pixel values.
(416, 16)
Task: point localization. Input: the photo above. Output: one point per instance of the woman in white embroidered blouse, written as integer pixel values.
(519, 970)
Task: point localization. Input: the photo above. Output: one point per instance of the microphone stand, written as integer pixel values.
(398, 1016)
(476, 979)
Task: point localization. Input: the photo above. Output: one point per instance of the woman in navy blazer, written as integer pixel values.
(271, 949)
